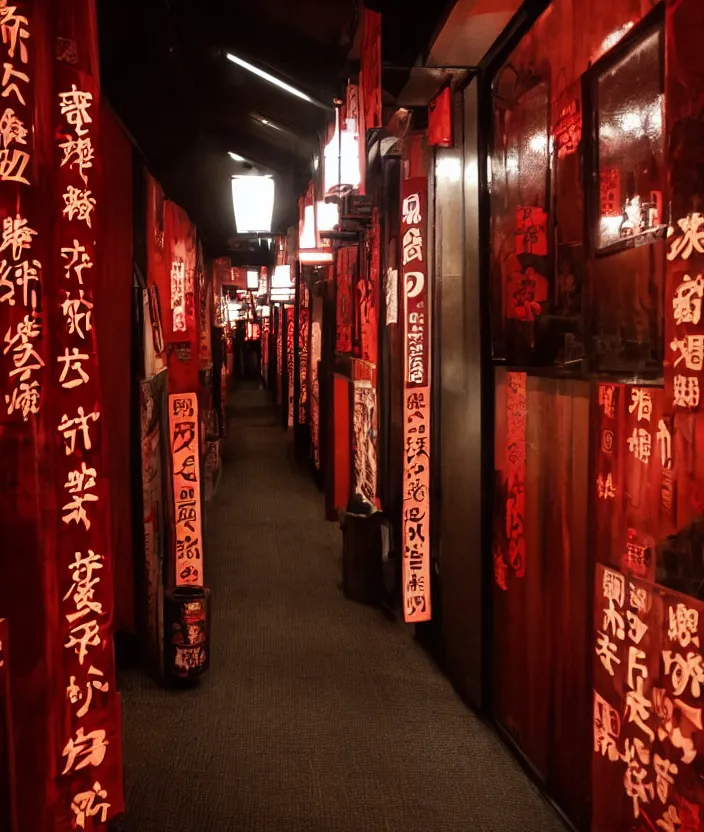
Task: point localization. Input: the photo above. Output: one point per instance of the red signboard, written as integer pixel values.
(684, 323)
(290, 361)
(440, 119)
(370, 75)
(89, 742)
(303, 357)
(368, 294)
(648, 731)
(417, 398)
(184, 430)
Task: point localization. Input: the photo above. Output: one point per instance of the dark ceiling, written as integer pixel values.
(165, 72)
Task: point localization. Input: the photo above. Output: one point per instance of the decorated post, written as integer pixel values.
(88, 735)
(417, 403)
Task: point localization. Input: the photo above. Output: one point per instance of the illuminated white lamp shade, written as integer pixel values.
(252, 280)
(253, 202)
(307, 239)
(328, 216)
(281, 279)
(281, 285)
(310, 251)
(341, 172)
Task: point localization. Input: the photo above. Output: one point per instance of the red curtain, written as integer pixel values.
(113, 305)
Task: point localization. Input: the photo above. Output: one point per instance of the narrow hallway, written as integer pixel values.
(318, 714)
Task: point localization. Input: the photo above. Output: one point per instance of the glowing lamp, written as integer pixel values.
(281, 279)
(328, 216)
(315, 257)
(253, 203)
(307, 239)
(281, 286)
(341, 172)
(252, 280)
(324, 217)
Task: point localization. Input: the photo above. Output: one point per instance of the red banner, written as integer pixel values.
(648, 767)
(290, 360)
(89, 752)
(417, 399)
(180, 317)
(303, 357)
(279, 335)
(609, 489)
(266, 328)
(516, 426)
(368, 291)
(315, 356)
(185, 455)
(440, 119)
(370, 74)
(684, 324)
(346, 273)
(8, 807)
(634, 491)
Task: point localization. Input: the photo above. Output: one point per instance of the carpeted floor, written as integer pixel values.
(318, 715)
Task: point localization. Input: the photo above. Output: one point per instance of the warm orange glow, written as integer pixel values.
(315, 257)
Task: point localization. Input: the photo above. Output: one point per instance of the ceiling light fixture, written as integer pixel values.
(267, 123)
(253, 202)
(237, 157)
(270, 78)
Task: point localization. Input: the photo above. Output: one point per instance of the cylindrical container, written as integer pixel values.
(187, 632)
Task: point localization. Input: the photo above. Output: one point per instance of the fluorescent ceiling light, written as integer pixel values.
(253, 202)
(271, 124)
(270, 78)
(237, 157)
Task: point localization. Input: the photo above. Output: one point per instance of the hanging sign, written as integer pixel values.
(416, 494)
(303, 358)
(440, 119)
(289, 313)
(89, 747)
(510, 559)
(183, 424)
(684, 321)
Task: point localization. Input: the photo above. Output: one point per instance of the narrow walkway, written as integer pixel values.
(318, 714)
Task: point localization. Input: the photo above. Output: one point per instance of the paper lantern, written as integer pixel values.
(253, 202)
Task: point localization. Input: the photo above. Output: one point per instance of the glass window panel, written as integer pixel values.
(630, 113)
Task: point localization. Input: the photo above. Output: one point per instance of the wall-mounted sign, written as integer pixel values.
(416, 429)
(567, 132)
(183, 425)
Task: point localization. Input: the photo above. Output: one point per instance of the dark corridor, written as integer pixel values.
(318, 714)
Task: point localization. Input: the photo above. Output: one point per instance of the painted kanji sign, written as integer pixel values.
(89, 765)
(185, 454)
(647, 707)
(417, 387)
